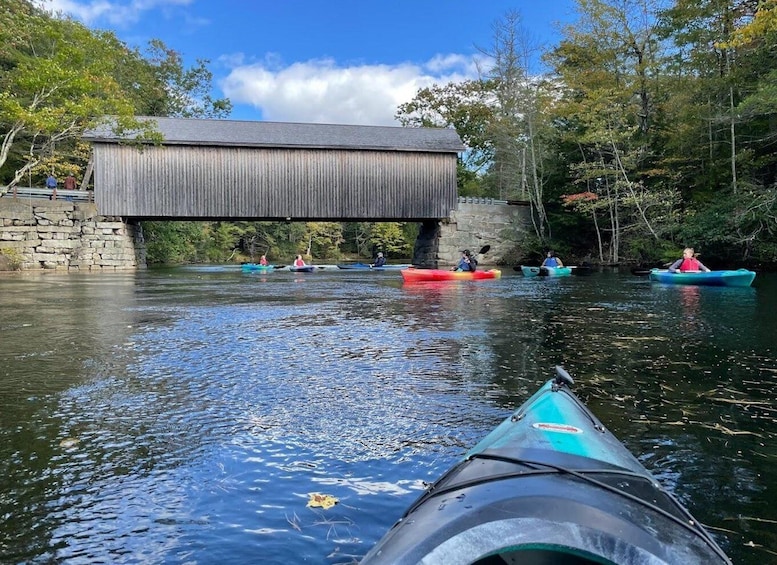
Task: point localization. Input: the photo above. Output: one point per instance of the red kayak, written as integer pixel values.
(418, 275)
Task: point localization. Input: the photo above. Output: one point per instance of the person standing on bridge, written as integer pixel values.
(51, 183)
(70, 182)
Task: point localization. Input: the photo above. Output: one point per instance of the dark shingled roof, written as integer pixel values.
(181, 131)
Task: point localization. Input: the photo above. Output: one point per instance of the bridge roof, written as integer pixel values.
(233, 133)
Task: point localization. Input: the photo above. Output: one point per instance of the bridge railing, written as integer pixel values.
(47, 193)
(480, 200)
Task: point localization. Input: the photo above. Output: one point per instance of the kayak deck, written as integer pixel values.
(529, 271)
(740, 277)
(420, 275)
(548, 485)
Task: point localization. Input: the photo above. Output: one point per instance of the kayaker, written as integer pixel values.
(466, 263)
(380, 260)
(263, 260)
(299, 262)
(552, 261)
(688, 263)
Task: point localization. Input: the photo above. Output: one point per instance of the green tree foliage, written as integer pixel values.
(392, 239)
(58, 78)
(465, 107)
(174, 242)
(663, 112)
(170, 89)
(520, 126)
(322, 240)
(55, 81)
(610, 109)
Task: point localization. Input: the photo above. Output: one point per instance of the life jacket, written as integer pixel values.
(691, 264)
(551, 262)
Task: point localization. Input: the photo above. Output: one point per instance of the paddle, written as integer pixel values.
(483, 251)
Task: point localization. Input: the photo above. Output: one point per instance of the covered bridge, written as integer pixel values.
(223, 169)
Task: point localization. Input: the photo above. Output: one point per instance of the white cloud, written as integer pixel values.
(113, 12)
(320, 91)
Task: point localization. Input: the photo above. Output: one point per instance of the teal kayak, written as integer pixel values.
(549, 485)
(740, 277)
(546, 271)
(256, 268)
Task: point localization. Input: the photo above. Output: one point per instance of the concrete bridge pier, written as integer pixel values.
(475, 223)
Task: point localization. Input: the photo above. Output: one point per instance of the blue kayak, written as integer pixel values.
(740, 277)
(366, 266)
(549, 485)
(352, 266)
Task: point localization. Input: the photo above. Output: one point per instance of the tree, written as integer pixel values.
(323, 239)
(178, 91)
(461, 105)
(519, 125)
(608, 65)
(390, 238)
(55, 81)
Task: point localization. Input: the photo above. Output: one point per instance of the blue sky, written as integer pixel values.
(322, 61)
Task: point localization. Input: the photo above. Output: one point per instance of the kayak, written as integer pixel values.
(256, 268)
(304, 269)
(740, 277)
(546, 271)
(394, 267)
(549, 485)
(386, 267)
(355, 266)
(420, 275)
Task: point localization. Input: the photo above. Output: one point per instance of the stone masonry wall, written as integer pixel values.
(472, 226)
(58, 234)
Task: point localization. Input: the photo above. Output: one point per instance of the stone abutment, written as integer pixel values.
(62, 235)
(476, 223)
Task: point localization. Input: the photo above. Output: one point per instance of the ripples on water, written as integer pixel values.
(187, 415)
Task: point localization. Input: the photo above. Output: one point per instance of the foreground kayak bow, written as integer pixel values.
(548, 485)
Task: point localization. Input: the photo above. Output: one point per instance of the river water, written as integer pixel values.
(187, 415)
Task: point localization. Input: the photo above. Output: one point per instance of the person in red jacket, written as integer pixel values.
(688, 263)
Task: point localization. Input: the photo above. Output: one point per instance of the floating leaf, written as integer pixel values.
(325, 501)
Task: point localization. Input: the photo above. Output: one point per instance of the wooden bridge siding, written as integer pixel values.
(273, 183)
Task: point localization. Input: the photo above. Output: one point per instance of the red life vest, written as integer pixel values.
(690, 264)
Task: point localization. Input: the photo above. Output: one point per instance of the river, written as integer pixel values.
(186, 415)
